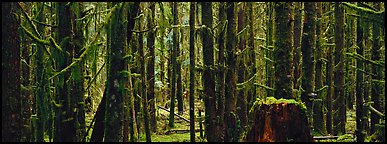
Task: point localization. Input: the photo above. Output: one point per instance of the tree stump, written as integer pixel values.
(278, 121)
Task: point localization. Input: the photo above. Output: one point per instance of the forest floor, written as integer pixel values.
(180, 133)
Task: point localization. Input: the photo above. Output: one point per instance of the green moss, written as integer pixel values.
(346, 138)
(273, 100)
(176, 137)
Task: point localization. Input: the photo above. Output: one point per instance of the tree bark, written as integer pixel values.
(151, 68)
(65, 130)
(40, 79)
(231, 129)
(78, 91)
(221, 71)
(179, 86)
(329, 82)
(360, 118)
(10, 101)
(278, 121)
(241, 98)
(376, 89)
(338, 96)
(318, 121)
(283, 43)
(115, 80)
(208, 73)
(269, 48)
(308, 47)
(297, 45)
(192, 71)
(174, 64)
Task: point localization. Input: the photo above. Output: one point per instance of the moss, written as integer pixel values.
(272, 100)
(346, 138)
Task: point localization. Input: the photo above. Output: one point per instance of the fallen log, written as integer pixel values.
(282, 120)
(174, 113)
(325, 137)
(180, 131)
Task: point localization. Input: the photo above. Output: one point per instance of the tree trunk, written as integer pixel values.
(251, 59)
(241, 98)
(174, 64)
(26, 94)
(318, 121)
(329, 81)
(192, 71)
(208, 73)
(279, 121)
(78, 76)
(297, 46)
(40, 79)
(231, 130)
(133, 92)
(270, 48)
(98, 127)
(179, 86)
(221, 71)
(145, 111)
(115, 81)
(360, 117)
(283, 42)
(10, 46)
(65, 130)
(339, 99)
(377, 71)
(308, 48)
(151, 68)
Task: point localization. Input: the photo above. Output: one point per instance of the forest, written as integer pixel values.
(193, 72)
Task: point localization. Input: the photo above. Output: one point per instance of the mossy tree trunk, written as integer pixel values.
(270, 48)
(297, 46)
(208, 73)
(221, 71)
(151, 67)
(241, 97)
(329, 82)
(26, 93)
(308, 65)
(283, 49)
(144, 97)
(40, 79)
(360, 117)
(350, 63)
(376, 89)
(231, 129)
(179, 85)
(174, 64)
(65, 130)
(367, 76)
(115, 81)
(339, 107)
(133, 11)
(78, 76)
(318, 120)
(251, 55)
(192, 71)
(10, 100)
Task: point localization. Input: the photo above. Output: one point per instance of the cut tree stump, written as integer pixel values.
(278, 121)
